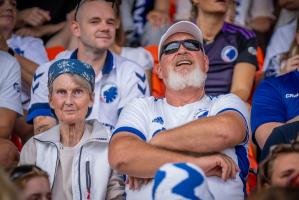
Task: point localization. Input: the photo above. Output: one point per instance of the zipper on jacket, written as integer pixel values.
(88, 179)
(79, 174)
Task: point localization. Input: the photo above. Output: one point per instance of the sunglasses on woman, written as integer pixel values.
(174, 46)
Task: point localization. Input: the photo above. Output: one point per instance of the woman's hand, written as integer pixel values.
(291, 64)
(34, 16)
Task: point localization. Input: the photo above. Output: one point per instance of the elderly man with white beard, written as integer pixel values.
(185, 126)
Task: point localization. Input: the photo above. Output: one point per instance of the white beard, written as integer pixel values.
(194, 78)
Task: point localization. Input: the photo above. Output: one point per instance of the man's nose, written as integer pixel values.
(104, 27)
(182, 49)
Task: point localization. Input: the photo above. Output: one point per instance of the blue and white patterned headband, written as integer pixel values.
(72, 66)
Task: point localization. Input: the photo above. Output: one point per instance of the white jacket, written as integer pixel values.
(90, 170)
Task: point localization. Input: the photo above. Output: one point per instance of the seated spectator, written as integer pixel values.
(32, 181)
(10, 94)
(281, 167)
(29, 51)
(275, 103)
(118, 81)
(7, 190)
(281, 42)
(284, 134)
(290, 60)
(231, 50)
(185, 126)
(27, 47)
(71, 94)
(42, 18)
(276, 193)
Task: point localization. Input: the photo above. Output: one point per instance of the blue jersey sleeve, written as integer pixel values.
(267, 105)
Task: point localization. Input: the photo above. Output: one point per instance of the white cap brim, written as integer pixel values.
(181, 27)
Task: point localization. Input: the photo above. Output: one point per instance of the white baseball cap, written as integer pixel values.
(181, 27)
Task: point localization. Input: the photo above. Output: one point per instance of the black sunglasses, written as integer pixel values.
(174, 46)
(80, 3)
(25, 170)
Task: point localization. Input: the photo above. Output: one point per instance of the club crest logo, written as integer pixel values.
(200, 114)
(109, 93)
(229, 54)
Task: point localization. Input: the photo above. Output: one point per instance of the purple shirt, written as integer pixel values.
(231, 45)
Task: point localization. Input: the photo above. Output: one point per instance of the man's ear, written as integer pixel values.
(50, 101)
(75, 28)
(158, 71)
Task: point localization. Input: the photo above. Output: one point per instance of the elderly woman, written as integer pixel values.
(73, 153)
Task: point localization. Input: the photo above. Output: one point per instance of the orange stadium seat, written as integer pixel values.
(53, 51)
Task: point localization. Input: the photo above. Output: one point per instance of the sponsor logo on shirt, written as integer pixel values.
(229, 54)
(158, 120)
(109, 93)
(292, 95)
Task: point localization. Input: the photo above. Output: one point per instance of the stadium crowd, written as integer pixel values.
(149, 99)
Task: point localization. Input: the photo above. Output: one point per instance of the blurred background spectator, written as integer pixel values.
(42, 18)
(32, 181)
(281, 167)
(8, 191)
(275, 193)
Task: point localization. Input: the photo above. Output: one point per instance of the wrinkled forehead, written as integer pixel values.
(178, 37)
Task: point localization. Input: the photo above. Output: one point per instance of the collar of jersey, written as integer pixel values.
(108, 66)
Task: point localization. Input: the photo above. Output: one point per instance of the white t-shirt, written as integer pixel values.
(139, 55)
(10, 83)
(32, 49)
(120, 81)
(146, 117)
